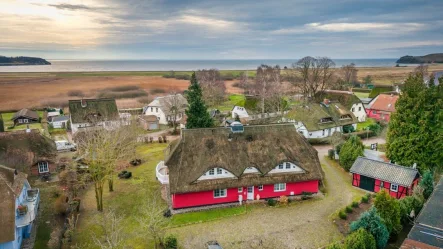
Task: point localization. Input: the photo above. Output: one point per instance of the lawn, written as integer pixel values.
(233, 99)
(208, 215)
(362, 126)
(7, 116)
(361, 95)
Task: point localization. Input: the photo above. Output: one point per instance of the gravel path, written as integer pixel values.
(305, 225)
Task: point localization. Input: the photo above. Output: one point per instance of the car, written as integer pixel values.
(213, 244)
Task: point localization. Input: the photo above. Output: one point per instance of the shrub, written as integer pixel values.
(376, 128)
(348, 209)
(55, 238)
(427, 183)
(283, 200)
(409, 204)
(122, 95)
(271, 202)
(318, 141)
(157, 91)
(349, 152)
(123, 88)
(365, 199)
(60, 205)
(75, 93)
(360, 239)
(331, 153)
(354, 204)
(170, 242)
(167, 213)
(165, 139)
(334, 245)
(342, 214)
(372, 222)
(389, 210)
(160, 139)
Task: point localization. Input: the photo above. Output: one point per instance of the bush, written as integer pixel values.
(60, 205)
(376, 128)
(331, 153)
(170, 242)
(76, 93)
(318, 141)
(427, 183)
(271, 202)
(160, 139)
(409, 204)
(372, 222)
(365, 199)
(342, 214)
(167, 213)
(349, 152)
(354, 204)
(157, 91)
(348, 209)
(283, 200)
(335, 245)
(389, 210)
(360, 239)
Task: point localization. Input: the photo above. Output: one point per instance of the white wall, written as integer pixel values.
(157, 111)
(359, 112)
(317, 134)
(240, 111)
(59, 124)
(224, 174)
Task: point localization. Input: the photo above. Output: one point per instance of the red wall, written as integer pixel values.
(34, 168)
(377, 115)
(402, 192)
(207, 197)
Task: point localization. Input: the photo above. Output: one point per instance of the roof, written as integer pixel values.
(310, 115)
(149, 118)
(25, 113)
(11, 185)
(384, 102)
(95, 110)
(389, 172)
(261, 146)
(346, 98)
(60, 118)
(20, 149)
(429, 223)
(165, 101)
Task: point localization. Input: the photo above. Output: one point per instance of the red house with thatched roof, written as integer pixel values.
(238, 163)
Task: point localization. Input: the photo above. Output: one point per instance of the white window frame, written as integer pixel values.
(219, 171)
(20, 121)
(287, 165)
(382, 185)
(260, 187)
(220, 193)
(45, 166)
(395, 189)
(26, 121)
(211, 172)
(278, 187)
(240, 189)
(281, 166)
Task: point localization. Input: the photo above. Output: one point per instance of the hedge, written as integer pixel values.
(361, 90)
(379, 89)
(361, 134)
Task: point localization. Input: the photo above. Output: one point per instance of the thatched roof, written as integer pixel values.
(11, 185)
(310, 115)
(21, 149)
(93, 110)
(26, 113)
(346, 98)
(261, 146)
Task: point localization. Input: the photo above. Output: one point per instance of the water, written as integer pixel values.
(176, 65)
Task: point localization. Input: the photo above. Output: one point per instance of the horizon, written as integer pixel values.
(226, 30)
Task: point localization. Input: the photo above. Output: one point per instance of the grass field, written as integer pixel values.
(233, 99)
(7, 122)
(361, 95)
(362, 126)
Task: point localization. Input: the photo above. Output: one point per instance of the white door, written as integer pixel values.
(251, 193)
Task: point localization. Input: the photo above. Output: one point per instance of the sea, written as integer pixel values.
(177, 65)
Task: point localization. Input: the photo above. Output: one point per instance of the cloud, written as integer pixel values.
(73, 7)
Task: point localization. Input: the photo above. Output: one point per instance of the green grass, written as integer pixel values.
(362, 126)
(361, 95)
(7, 122)
(207, 215)
(233, 99)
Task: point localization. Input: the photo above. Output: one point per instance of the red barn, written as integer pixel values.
(231, 164)
(372, 175)
(381, 107)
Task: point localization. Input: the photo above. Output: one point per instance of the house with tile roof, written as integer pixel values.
(382, 106)
(231, 164)
(18, 207)
(374, 175)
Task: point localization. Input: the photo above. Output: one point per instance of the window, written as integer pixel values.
(218, 193)
(219, 171)
(43, 167)
(323, 132)
(20, 121)
(280, 166)
(278, 187)
(152, 109)
(288, 165)
(394, 187)
(211, 172)
(353, 109)
(381, 185)
(240, 189)
(25, 121)
(156, 109)
(260, 187)
(359, 108)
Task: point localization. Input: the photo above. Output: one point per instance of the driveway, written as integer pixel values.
(304, 225)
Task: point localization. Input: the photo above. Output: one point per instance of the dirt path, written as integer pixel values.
(297, 226)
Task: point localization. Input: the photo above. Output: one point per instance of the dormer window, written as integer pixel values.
(347, 116)
(211, 172)
(326, 120)
(219, 171)
(288, 165)
(280, 166)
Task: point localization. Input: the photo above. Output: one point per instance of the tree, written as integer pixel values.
(427, 183)
(389, 210)
(102, 149)
(372, 222)
(173, 106)
(421, 69)
(198, 115)
(360, 239)
(267, 84)
(415, 133)
(347, 77)
(2, 127)
(367, 80)
(410, 206)
(351, 149)
(112, 234)
(213, 86)
(312, 75)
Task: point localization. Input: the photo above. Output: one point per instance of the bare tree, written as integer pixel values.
(347, 76)
(422, 69)
(173, 105)
(112, 234)
(212, 85)
(311, 75)
(267, 83)
(151, 219)
(102, 149)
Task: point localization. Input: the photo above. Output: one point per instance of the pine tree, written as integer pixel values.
(427, 183)
(389, 210)
(372, 222)
(351, 149)
(198, 115)
(415, 132)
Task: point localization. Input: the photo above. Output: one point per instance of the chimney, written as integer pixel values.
(326, 101)
(414, 166)
(83, 102)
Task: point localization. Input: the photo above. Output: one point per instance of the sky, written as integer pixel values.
(227, 29)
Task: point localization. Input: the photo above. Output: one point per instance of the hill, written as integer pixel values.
(22, 60)
(430, 58)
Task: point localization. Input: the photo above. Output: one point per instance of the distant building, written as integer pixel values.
(427, 232)
(149, 122)
(348, 100)
(320, 120)
(238, 163)
(240, 112)
(86, 113)
(19, 206)
(25, 116)
(382, 106)
(59, 122)
(161, 108)
(373, 175)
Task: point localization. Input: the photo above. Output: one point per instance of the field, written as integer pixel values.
(36, 90)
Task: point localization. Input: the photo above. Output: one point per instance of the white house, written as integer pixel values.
(239, 111)
(348, 100)
(59, 122)
(162, 108)
(86, 113)
(320, 120)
